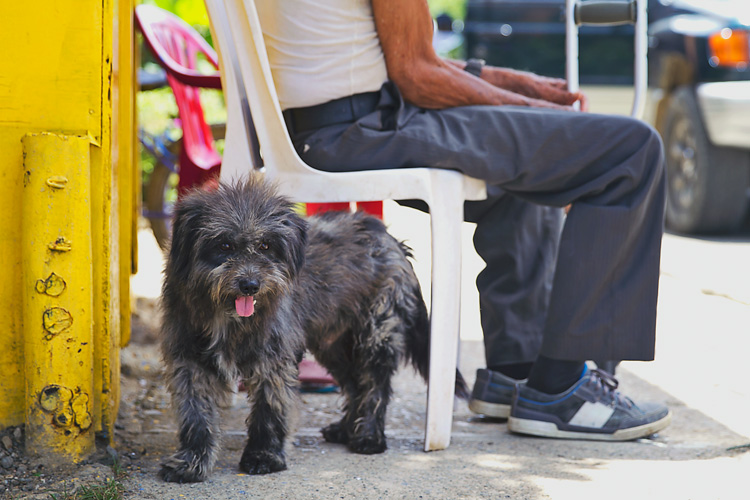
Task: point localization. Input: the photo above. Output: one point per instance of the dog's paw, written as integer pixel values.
(261, 462)
(368, 445)
(181, 468)
(335, 433)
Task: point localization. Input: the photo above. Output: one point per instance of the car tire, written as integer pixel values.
(707, 185)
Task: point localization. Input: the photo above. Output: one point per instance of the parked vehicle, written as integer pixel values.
(699, 51)
(699, 54)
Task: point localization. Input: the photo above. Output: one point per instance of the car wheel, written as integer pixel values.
(707, 185)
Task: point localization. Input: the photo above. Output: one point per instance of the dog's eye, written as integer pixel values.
(225, 246)
(263, 246)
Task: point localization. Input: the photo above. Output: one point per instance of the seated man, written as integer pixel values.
(362, 88)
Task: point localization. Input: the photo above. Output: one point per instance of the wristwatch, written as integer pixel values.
(474, 66)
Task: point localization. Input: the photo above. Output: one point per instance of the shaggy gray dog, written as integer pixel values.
(247, 282)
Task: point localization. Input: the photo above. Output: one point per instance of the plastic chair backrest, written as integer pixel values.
(249, 83)
(177, 47)
(263, 100)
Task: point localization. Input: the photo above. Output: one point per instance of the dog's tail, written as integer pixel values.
(418, 346)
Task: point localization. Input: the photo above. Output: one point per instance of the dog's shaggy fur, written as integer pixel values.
(247, 281)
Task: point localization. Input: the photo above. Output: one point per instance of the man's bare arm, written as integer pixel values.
(425, 79)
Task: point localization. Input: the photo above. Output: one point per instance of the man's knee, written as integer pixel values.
(647, 148)
(654, 152)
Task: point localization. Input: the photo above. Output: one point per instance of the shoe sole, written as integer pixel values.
(489, 409)
(549, 429)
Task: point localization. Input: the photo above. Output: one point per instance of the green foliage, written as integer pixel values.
(455, 8)
(109, 489)
(192, 12)
(157, 108)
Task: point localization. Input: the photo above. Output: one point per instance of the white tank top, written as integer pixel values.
(321, 50)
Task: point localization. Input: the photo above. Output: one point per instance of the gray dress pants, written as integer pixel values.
(602, 304)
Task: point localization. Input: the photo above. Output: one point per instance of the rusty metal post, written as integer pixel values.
(57, 296)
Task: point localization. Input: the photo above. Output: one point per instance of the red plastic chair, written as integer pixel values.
(176, 46)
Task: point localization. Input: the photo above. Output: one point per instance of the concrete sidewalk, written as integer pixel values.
(701, 372)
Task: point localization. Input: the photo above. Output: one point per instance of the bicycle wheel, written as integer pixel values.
(161, 194)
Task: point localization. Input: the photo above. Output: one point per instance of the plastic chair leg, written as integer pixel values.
(446, 211)
(319, 208)
(374, 208)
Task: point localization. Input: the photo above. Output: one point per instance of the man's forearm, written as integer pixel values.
(448, 85)
(404, 28)
(524, 83)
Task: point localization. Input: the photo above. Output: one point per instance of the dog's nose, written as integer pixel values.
(249, 286)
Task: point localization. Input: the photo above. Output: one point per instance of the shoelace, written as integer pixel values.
(606, 384)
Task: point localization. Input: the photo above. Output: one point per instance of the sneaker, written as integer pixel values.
(591, 409)
(492, 394)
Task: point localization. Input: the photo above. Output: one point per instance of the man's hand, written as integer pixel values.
(555, 90)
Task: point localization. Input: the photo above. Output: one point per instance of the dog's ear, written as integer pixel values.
(187, 216)
(297, 243)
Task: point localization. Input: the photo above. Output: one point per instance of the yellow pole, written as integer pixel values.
(57, 296)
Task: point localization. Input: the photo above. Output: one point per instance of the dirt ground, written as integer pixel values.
(483, 461)
(703, 455)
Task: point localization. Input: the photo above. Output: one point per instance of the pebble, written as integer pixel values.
(17, 434)
(7, 443)
(6, 462)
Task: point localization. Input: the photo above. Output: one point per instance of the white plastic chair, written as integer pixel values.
(246, 76)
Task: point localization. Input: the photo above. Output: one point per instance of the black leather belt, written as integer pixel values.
(344, 110)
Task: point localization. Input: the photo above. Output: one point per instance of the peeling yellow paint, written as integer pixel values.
(80, 405)
(66, 99)
(53, 285)
(66, 409)
(57, 182)
(56, 320)
(53, 396)
(51, 419)
(61, 245)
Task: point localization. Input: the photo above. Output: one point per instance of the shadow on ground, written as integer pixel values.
(483, 461)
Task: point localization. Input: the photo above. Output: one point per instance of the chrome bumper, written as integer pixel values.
(726, 112)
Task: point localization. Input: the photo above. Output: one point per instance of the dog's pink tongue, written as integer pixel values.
(244, 306)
